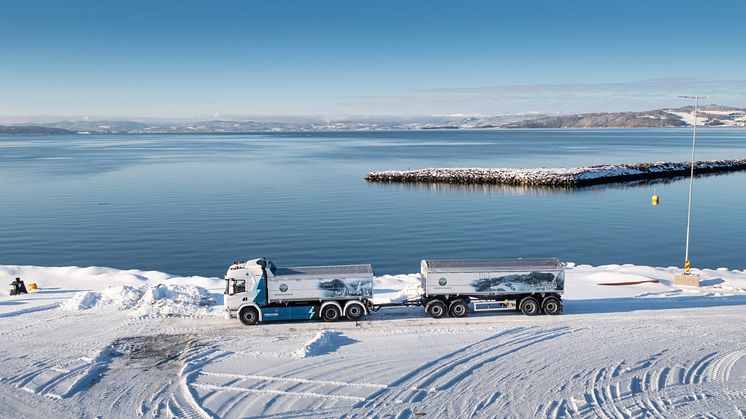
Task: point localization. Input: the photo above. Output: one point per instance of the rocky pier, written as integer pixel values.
(557, 177)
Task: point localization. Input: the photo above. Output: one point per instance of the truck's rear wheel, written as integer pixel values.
(459, 308)
(354, 311)
(330, 313)
(248, 316)
(529, 306)
(551, 306)
(437, 309)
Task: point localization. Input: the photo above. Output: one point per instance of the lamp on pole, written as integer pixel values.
(688, 279)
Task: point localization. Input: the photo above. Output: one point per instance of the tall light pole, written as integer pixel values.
(687, 264)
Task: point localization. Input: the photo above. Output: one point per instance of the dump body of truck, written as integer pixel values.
(532, 286)
(319, 283)
(491, 277)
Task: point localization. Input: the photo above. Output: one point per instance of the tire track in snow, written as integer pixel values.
(183, 401)
(699, 389)
(293, 380)
(414, 386)
(720, 369)
(276, 392)
(406, 382)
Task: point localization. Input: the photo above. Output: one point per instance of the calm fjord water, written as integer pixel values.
(191, 204)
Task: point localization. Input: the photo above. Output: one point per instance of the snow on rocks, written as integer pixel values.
(146, 301)
(556, 177)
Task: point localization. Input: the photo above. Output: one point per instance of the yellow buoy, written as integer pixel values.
(32, 286)
(655, 200)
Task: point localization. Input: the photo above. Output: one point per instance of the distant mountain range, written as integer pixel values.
(711, 116)
(32, 129)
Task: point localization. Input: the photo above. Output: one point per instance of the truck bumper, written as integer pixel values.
(228, 314)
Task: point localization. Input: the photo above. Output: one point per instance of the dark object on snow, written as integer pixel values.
(17, 287)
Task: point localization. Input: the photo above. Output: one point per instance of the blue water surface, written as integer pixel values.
(191, 204)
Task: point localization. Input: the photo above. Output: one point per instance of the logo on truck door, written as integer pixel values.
(283, 287)
(442, 281)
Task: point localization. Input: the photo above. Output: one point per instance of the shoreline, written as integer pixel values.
(557, 177)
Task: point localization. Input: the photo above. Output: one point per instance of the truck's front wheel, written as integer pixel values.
(248, 316)
(330, 313)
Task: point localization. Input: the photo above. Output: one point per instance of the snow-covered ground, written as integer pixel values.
(110, 343)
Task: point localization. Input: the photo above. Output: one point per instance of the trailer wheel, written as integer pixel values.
(354, 311)
(529, 306)
(330, 313)
(437, 309)
(248, 316)
(459, 308)
(551, 306)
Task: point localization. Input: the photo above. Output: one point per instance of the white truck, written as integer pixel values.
(530, 285)
(258, 291)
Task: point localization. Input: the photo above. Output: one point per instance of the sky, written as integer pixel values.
(184, 59)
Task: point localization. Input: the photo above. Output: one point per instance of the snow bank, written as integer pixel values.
(396, 288)
(324, 342)
(157, 294)
(146, 301)
(59, 284)
(95, 278)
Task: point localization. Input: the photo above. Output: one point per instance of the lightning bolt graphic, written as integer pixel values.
(311, 312)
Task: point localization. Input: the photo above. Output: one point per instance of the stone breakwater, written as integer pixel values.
(557, 177)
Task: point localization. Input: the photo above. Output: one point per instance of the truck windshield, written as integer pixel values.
(227, 287)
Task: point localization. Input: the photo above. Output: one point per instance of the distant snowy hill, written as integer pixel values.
(712, 115)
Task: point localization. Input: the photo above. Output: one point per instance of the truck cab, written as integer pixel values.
(246, 284)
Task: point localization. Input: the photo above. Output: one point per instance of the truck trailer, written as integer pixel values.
(258, 291)
(529, 285)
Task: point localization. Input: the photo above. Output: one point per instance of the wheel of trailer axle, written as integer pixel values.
(551, 306)
(459, 308)
(354, 311)
(248, 316)
(330, 313)
(437, 309)
(529, 306)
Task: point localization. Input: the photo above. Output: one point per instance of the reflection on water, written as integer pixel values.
(522, 190)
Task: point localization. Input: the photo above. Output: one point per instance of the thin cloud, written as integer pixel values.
(552, 97)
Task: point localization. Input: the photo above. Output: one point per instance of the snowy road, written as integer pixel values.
(648, 350)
